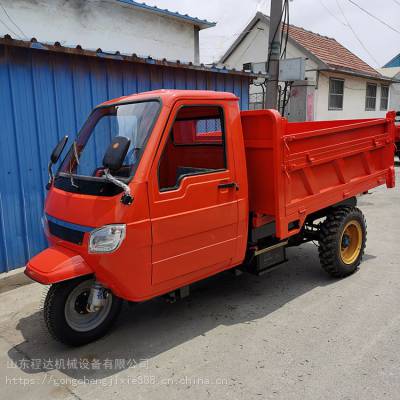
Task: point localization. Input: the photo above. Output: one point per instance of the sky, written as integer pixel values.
(339, 19)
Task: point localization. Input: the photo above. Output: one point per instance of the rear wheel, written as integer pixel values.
(343, 236)
(66, 313)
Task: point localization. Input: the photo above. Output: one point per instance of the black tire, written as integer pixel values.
(333, 231)
(54, 311)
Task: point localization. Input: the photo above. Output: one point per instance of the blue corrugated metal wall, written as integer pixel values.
(45, 95)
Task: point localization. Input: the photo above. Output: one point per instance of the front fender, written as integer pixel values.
(56, 264)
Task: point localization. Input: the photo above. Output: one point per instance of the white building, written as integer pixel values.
(338, 84)
(124, 25)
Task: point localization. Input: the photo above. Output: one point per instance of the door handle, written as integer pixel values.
(228, 185)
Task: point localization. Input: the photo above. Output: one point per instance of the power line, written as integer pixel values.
(273, 38)
(285, 26)
(397, 2)
(11, 20)
(355, 34)
(331, 13)
(374, 16)
(9, 29)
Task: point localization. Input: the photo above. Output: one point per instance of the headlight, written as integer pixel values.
(107, 238)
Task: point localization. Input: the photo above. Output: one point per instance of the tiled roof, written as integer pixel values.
(324, 49)
(329, 51)
(201, 23)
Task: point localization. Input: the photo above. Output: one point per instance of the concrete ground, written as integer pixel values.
(293, 334)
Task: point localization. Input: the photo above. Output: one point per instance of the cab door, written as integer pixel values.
(193, 195)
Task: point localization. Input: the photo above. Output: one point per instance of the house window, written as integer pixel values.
(336, 91)
(384, 97)
(370, 99)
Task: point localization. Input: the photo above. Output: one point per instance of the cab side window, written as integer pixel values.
(196, 145)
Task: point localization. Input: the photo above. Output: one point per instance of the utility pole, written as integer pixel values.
(274, 44)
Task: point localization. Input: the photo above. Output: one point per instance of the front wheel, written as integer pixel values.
(343, 236)
(66, 313)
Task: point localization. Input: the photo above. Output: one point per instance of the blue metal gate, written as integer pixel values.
(47, 92)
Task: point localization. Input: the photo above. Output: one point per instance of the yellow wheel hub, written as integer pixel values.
(351, 242)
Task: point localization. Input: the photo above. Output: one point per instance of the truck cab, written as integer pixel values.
(187, 175)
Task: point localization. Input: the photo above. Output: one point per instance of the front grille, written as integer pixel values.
(67, 234)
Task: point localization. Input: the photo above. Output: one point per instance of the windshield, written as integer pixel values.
(134, 121)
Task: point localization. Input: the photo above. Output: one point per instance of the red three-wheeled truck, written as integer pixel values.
(165, 188)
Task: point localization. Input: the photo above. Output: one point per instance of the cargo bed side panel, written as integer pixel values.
(295, 169)
(323, 165)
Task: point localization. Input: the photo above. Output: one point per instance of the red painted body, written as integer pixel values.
(295, 169)
(283, 171)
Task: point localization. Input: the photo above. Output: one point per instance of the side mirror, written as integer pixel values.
(56, 153)
(116, 153)
(54, 157)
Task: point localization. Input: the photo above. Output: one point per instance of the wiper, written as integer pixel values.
(76, 156)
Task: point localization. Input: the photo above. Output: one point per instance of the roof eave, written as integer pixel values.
(200, 23)
(7, 40)
(242, 35)
(359, 74)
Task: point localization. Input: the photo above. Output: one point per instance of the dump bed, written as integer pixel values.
(295, 169)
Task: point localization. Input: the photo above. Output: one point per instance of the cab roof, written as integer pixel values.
(171, 95)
